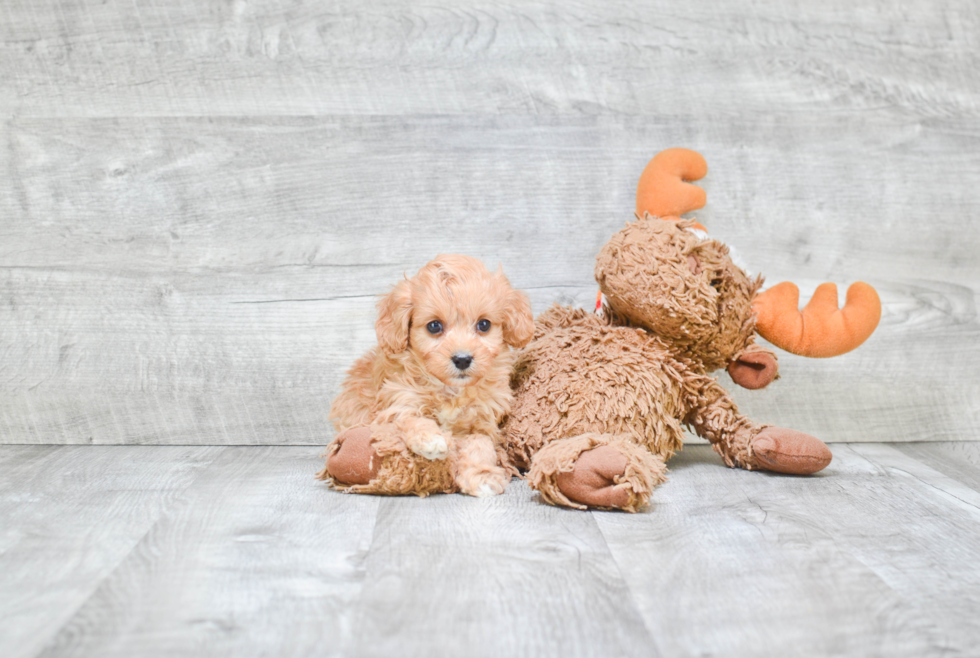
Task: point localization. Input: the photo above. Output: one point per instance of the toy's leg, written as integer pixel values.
(742, 443)
(476, 469)
(746, 445)
(596, 470)
(374, 459)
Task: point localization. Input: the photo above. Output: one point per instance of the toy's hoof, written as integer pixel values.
(356, 462)
(592, 481)
(788, 451)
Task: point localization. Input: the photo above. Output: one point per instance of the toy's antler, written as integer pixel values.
(820, 329)
(664, 189)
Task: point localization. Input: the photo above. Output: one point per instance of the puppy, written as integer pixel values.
(440, 376)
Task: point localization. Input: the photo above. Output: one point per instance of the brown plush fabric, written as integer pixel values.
(581, 374)
(646, 277)
(592, 479)
(351, 459)
(399, 470)
(754, 368)
(678, 309)
(789, 451)
(596, 482)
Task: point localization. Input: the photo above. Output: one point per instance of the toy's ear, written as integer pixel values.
(395, 318)
(518, 320)
(755, 368)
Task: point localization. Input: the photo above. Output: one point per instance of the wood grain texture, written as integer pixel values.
(874, 556)
(505, 576)
(68, 518)
(160, 310)
(960, 461)
(237, 551)
(201, 201)
(273, 57)
(257, 558)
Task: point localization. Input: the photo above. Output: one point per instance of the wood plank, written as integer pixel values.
(506, 576)
(844, 563)
(538, 194)
(175, 57)
(162, 277)
(257, 558)
(958, 460)
(70, 516)
(175, 360)
(903, 466)
(928, 552)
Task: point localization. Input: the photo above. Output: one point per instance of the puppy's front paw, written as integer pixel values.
(433, 446)
(483, 484)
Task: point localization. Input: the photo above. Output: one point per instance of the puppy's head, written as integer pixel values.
(456, 316)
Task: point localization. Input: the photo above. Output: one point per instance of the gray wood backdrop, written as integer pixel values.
(199, 201)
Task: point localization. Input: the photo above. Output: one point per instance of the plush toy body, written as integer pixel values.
(587, 382)
(600, 402)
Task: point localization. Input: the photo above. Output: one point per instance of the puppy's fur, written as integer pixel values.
(418, 379)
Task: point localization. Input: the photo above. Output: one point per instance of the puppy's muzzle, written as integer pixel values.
(462, 361)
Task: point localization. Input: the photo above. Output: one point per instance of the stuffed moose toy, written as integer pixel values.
(601, 399)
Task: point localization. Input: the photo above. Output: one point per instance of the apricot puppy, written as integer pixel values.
(436, 387)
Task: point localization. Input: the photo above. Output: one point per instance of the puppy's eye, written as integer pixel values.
(483, 326)
(434, 327)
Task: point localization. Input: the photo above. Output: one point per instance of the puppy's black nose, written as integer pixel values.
(462, 361)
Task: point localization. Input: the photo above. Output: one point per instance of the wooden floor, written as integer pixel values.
(237, 551)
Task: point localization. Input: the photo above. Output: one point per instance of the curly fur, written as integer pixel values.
(400, 471)
(436, 424)
(656, 274)
(600, 401)
(678, 308)
(643, 472)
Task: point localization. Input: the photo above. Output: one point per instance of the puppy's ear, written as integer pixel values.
(518, 321)
(394, 318)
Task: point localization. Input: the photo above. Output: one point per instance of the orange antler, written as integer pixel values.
(820, 329)
(664, 189)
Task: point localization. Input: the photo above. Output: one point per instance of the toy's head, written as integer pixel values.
(664, 277)
(665, 274)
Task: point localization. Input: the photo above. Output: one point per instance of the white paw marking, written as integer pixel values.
(485, 491)
(434, 447)
(485, 485)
